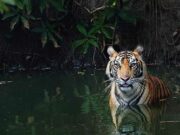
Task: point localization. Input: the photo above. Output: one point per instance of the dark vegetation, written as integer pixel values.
(44, 34)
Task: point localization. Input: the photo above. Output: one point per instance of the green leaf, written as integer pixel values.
(93, 30)
(28, 5)
(106, 33)
(93, 37)
(10, 2)
(13, 22)
(51, 37)
(3, 7)
(19, 4)
(78, 43)
(82, 29)
(9, 15)
(25, 22)
(93, 42)
(31, 17)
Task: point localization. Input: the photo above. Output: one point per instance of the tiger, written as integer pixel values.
(130, 83)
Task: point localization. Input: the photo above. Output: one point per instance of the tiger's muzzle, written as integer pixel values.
(124, 83)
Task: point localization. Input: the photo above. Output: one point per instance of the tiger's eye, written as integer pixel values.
(133, 64)
(116, 64)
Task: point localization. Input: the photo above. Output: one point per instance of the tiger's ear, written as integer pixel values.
(139, 50)
(112, 53)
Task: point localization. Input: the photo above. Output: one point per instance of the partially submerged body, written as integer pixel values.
(130, 82)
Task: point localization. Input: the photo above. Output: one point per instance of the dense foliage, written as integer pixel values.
(55, 22)
(68, 28)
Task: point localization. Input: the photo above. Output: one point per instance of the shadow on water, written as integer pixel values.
(74, 103)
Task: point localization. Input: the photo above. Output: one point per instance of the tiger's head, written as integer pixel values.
(126, 68)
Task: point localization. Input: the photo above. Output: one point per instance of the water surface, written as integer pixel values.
(75, 103)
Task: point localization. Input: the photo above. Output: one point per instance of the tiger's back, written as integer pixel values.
(158, 90)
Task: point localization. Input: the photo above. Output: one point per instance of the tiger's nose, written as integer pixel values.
(125, 79)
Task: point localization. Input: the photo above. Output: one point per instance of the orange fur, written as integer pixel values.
(157, 89)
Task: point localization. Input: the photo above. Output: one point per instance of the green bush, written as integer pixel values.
(49, 15)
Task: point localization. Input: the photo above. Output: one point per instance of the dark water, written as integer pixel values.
(75, 103)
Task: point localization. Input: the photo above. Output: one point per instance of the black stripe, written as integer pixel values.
(136, 99)
(120, 99)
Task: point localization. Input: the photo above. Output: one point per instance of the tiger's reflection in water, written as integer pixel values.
(138, 120)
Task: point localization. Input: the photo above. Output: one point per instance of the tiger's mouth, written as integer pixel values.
(125, 85)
